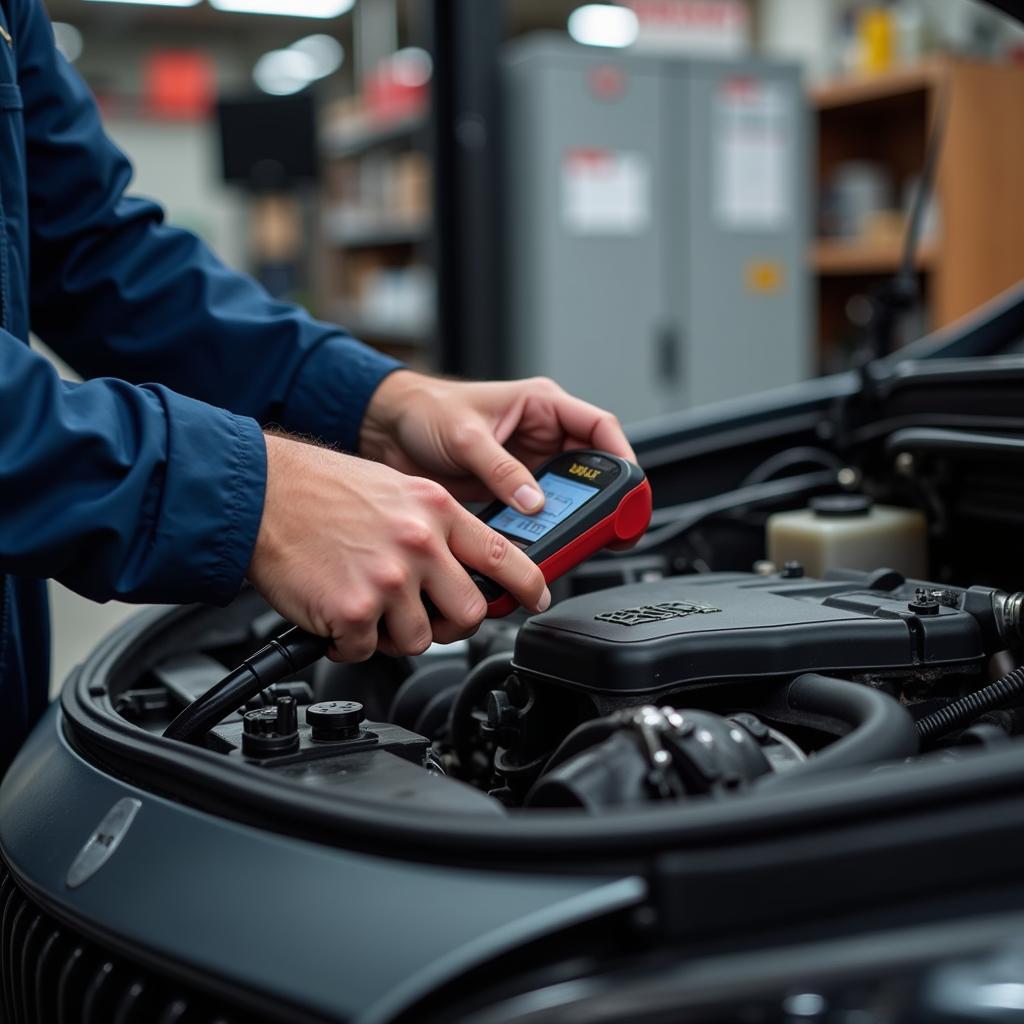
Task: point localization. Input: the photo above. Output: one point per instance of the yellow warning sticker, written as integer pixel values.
(765, 276)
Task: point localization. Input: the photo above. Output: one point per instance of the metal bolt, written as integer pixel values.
(905, 464)
(925, 602)
(848, 477)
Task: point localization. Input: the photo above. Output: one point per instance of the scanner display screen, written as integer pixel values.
(561, 498)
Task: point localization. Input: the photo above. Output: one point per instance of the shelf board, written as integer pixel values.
(852, 90)
(380, 235)
(356, 140)
(834, 257)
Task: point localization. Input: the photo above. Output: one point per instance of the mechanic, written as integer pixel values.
(170, 491)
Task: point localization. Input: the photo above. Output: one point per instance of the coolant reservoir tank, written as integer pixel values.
(849, 531)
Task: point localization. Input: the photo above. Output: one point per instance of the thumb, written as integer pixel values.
(502, 474)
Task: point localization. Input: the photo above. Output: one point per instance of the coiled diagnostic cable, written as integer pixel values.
(291, 652)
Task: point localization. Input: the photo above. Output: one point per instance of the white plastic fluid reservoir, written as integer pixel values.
(849, 531)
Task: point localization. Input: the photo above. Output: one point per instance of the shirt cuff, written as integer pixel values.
(212, 503)
(333, 388)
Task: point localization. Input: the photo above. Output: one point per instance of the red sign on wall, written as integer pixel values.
(179, 84)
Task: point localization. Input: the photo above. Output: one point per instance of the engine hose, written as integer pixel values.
(488, 675)
(961, 711)
(881, 728)
(586, 735)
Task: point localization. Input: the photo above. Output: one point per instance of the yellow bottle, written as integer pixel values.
(876, 30)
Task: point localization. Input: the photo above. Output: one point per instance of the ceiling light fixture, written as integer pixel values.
(291, 8)
(283, 72)
(325, 51)
(603, 25)
(411, 66)
(151, 3)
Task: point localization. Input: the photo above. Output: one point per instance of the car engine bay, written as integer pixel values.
(690, 669)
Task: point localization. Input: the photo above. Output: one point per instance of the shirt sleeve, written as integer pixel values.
(115, 291)
(121, 491)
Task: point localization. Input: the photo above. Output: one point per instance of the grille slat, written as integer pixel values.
(7, 894)
(132, 1006)
(69, 986)
(19, 932)
(94, 1001)
(51, 974)
(26, 975)
(46, 967)
(175, 1013)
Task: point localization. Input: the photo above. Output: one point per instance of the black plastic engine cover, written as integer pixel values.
(655, 637)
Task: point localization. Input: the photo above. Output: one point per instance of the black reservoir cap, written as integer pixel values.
(335, 719)
(835, 506)
(271, 731)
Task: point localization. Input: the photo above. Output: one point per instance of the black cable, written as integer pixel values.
(897, 295)
(803, 455)
(966, 443)
(684, 517)
(925, 185)
(285, 655)
(960, 712)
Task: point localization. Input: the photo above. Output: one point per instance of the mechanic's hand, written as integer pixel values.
(346, 546)
(482, 439)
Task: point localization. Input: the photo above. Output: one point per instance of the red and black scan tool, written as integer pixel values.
(592, 500)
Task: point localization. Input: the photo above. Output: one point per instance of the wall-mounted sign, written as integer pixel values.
(717, 27)
(605, 191)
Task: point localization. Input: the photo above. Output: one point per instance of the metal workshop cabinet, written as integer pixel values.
(657, 222)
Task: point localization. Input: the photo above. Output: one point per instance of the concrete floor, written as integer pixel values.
(78, 626)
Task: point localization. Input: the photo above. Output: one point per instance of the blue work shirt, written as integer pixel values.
(117, 487)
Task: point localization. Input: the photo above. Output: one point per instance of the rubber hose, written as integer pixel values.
(488, 675)
(960, 712)
(882, 728)
(291, 652)
(585, 735)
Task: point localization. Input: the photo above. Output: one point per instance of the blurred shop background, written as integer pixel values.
(660, 203)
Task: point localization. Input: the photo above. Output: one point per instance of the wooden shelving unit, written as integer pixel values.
(838, 257)
(377, 233)
(978, 250)
(363, 136)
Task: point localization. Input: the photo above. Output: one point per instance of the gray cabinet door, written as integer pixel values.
(588, 230)
(738, 166)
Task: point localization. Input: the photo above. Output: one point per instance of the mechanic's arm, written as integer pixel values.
(121, 491)
(138, 493)
(116, 292)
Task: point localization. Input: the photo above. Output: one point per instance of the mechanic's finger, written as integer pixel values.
(408, 628)
(592, 426)
(354, 646)
(478, 546)
(502, 473)
(459, 607)
(353, 627)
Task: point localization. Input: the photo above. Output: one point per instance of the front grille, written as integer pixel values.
(52, 974)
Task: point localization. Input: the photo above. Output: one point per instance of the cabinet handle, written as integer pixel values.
(667, 342)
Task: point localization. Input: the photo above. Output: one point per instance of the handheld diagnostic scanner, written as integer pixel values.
(592, 500)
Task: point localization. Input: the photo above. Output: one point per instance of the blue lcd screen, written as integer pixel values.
(561, 498)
